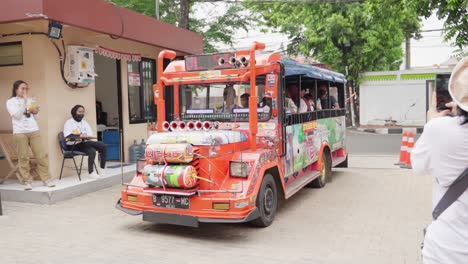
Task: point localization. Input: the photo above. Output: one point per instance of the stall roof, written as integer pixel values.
(296, 68)
(104, 17)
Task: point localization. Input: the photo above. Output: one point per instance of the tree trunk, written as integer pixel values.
(184, 14)
(408, 52)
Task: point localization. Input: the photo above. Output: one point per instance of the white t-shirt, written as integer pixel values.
(74, 127)
(302, 106)
(442, 152)
(16, 106)
(290, 106)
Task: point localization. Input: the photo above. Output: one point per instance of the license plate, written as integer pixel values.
(171, 201)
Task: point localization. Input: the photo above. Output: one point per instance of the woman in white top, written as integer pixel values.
(26, 134)
(442, 152)
(79, 135)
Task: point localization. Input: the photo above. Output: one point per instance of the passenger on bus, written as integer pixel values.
(303, 107)
(245, 100)
(309, 99)
(325, 101)
(290, 106)
(229, 96)
(265, 104)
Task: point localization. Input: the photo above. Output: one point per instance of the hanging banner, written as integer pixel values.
(118, 55)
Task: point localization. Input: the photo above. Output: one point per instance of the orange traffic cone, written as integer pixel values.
(403, 148)
(407, 164)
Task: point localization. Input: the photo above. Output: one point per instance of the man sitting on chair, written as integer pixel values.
(79, 134)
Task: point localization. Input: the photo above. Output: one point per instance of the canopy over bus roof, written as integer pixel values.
(296, 68)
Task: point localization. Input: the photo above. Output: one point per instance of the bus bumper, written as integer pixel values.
(184, 220)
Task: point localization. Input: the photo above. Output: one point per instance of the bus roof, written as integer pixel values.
(291, 67)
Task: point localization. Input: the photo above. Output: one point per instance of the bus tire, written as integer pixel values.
(325, 173)
(267, 202)
(343, 164)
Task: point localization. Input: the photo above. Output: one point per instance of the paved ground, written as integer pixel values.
(370, 213)
(371, 143)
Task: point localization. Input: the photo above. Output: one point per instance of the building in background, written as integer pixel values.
(399, 98)
(123, 46)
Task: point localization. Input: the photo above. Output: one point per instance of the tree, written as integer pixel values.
(455, 13)
(358, 36)
(220, 27)
(184, 14)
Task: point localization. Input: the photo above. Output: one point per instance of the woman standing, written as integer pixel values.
(442, 152)
(79, 133)
(26, 134)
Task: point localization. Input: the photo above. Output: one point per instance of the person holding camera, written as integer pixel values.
(442, 152)
(23, 111)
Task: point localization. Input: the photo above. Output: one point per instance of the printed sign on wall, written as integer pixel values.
(134, 79)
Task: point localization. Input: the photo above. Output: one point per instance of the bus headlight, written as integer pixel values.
(239, 169)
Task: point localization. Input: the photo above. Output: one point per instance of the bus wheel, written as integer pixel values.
(325, 172)
(267, 202)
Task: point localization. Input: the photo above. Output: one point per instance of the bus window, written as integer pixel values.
(325, 99)
(334, 97)
(227, 101)
(308, 95)
(340, 94)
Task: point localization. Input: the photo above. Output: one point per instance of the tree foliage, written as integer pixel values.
(455, 13)
(220, 27)
(365, 36)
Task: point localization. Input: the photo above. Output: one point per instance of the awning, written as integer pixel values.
(104, 17)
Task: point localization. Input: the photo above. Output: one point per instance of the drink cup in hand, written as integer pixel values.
(33, 107)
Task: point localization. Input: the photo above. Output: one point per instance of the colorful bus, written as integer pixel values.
(243, 131)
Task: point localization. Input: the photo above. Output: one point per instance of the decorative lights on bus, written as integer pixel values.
(206, 125)
(182, 126)
(221, 61)
(243, 60)
(198, 125)
(165, 126)
(232, 61)
(174, 125)
(190, 126)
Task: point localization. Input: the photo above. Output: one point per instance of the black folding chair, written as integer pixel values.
(69, 153)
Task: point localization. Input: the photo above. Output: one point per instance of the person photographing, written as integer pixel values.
(23, 111)
(79, 137)
(442, 152)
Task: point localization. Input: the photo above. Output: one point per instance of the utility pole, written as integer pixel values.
(346, 48)
(157, 9)
(351, 99)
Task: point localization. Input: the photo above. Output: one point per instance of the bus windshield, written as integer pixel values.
(224, 102)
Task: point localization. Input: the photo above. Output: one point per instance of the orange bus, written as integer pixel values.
(245, 130)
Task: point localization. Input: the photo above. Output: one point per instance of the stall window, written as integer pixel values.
(141, 77)
(11, 54)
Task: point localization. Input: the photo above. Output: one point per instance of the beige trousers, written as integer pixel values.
(23, 142)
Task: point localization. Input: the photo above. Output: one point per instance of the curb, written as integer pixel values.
(414, 130)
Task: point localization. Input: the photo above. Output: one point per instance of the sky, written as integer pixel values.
(428, 51)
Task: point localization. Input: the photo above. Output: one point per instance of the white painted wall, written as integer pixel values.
(403, 101)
